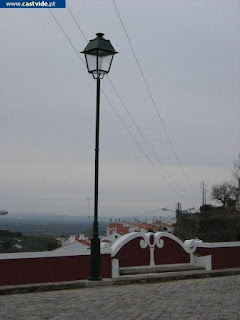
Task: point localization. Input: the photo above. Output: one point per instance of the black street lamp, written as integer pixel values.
(99, 55)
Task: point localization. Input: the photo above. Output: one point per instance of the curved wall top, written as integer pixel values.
(153, 239)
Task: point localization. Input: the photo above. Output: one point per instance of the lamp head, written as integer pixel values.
(99, 54)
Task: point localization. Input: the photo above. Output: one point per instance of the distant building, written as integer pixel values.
(17, 246)
(82, 245)
(120, 228)
(111, 238)
(124, 227)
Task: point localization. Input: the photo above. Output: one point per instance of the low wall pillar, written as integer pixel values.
(115, 268)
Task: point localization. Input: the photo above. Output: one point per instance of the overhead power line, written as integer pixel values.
(145, 140)
(131, 117)
(146, 156)
(67, 37)
(126, 127)
(79, 28)
(151, 96)
(163, 218)
(136, 142)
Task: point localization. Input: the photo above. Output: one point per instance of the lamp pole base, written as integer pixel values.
(95, 259)
(93, 279)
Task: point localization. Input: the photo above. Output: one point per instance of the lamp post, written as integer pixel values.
(99, 54)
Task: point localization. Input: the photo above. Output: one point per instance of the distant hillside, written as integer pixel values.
(18, 242)
(50, 224)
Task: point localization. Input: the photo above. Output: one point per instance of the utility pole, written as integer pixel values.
(160, 219)
(179, 216)
(88, 200)
(154, 224)
(179, 207)
(203, 187)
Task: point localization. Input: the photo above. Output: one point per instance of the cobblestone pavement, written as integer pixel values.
(213, 298)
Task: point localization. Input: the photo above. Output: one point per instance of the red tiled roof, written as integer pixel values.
(167, 225)
(157, 226)
(123, 230)
(144, 225)
(118, 228)
(85, 242)
(114, 225)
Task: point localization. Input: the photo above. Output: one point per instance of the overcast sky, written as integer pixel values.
(189, 52)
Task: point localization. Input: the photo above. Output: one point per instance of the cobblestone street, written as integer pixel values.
(214, 298)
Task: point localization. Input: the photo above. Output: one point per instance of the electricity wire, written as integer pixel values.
(150, 94)
(163, 219)
(67, 37)
(145, 155)
(145, 140)
(131, 117)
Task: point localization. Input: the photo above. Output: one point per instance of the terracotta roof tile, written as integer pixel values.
(85, 242)
(118, 228)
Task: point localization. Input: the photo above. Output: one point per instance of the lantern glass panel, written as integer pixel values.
(99, 61)
(104, 61)
(91, 59)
